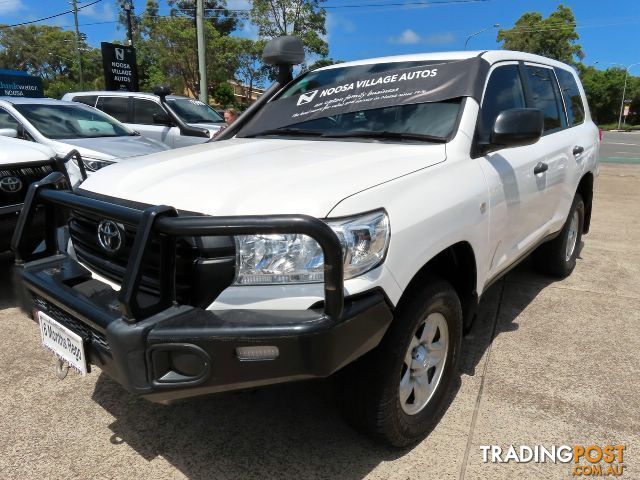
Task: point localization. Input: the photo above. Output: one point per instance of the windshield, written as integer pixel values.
(71, 121)
(341, 101)
(194, 111)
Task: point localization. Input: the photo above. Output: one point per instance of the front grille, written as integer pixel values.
(83, 229)
(26, 174)
(85, 331)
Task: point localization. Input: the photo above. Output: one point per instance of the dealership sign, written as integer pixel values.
(120, 67)
(430, 82)
(16, 83)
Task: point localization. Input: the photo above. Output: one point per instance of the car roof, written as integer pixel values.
(14, 150)
(491, 56)
(120, 93)
(31, 100)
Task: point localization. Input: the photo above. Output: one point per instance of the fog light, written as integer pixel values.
(245, 354)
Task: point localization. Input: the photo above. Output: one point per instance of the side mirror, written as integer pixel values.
(517, 127)
(162, 90)
(162, 119)
(284, 53)
(8, 132)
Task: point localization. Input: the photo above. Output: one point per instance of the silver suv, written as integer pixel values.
(174, 120)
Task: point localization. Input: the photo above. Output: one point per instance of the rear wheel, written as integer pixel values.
(558, 257)
(399, 391)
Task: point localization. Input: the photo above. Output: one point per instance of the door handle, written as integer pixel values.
(541, 167)
(577, 150)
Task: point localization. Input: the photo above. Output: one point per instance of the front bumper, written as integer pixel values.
(164, 351)
(184, 351)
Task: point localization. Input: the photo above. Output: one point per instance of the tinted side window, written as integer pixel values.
(117, 107)
(143, 111)
(86, 99)
(504, 91)
(572, 97)
(7, 121)
(543, 96)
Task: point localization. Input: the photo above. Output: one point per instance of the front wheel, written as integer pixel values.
(399, 391)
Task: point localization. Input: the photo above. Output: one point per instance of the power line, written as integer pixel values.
(51, 16)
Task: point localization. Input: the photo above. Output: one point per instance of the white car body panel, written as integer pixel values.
(14, 150)
(215, 178)
(435, 195)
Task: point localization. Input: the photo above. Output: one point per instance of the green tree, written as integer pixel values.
(303, 18)
(553, 37)
(223, 95)
(604, 93)
(324, 62)
(49, 53)
(168, 52)
(250, 71)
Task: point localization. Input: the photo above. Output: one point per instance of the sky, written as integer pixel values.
(609, 31)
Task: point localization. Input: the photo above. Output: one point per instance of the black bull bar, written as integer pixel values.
(164, 221)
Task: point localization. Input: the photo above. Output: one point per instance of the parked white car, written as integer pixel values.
(350, 221)
(21, 164)
(66, 126)
(172, 119)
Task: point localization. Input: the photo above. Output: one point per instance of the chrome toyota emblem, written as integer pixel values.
(109, 236)
(11, 184)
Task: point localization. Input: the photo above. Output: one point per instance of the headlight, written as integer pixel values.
(293, 258)
(93, 165)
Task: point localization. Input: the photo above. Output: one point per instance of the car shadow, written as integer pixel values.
(8, 296)
(293, 430)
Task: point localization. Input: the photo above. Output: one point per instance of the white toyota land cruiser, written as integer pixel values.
(350, 220)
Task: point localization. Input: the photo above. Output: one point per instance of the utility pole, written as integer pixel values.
(128, 6)
(202, 65)
(74, 3)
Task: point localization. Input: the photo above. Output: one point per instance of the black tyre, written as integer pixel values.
(558, 256)
(399, 391)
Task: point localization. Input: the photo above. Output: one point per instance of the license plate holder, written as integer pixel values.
(63, 342)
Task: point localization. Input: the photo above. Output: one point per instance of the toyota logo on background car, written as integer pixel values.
(110, 236)
(10, 184)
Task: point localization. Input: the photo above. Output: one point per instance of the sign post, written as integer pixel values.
(120, 67)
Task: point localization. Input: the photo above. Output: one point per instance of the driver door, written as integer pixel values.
(143, 121)
(515, 191)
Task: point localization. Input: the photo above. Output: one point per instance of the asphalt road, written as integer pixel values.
(548, 362)
(620, 147)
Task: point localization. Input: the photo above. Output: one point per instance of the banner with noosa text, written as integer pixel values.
(433, 82)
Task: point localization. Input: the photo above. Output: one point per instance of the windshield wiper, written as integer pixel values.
(287, 131)
(387, 134)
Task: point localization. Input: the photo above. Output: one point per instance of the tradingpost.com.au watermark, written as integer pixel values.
(586, 460)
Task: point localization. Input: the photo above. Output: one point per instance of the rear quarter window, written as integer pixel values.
(572, 98)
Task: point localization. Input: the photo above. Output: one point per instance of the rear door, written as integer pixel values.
(143, 121)
(543, 93)
(116, 106)
(580, 139)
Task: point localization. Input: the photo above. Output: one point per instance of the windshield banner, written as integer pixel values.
(429, 83)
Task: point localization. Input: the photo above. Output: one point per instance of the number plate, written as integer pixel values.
(64, 343)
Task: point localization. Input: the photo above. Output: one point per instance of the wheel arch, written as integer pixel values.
(585, 189)
(457, 265)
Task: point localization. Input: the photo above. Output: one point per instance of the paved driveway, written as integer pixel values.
(621, 147)
(548, 363)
